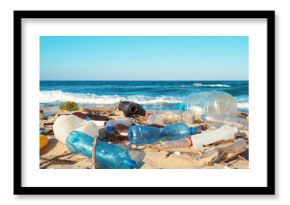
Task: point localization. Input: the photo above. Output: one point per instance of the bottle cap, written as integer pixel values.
(132, 164)
(41, 131)
(109, 128)
(193, 130)
(203, 116)
(88, 118)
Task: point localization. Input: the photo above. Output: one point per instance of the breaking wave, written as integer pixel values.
(60, 96)
(199, 85)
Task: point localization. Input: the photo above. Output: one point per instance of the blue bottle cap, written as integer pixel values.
(203, 116)
(193, 130)
(41, 131)
(132, 164)
(109, 128)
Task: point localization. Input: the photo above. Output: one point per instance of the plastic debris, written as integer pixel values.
(130, 108)
(226, 132)
(43, 141)
(107, 155)
(216, 102)
(221, 119)
(140, 135)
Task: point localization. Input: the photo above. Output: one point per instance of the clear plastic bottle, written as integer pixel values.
(140, 135)
(122, 121)
(180, 143)
(225, 132)
(238, 146)
(239, 122)
(107, 155)
(169, 117)
(211, 102)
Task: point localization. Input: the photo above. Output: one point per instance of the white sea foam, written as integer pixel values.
(243, 105)
(198, 85)
(60, 96)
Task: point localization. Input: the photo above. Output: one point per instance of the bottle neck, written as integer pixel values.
(193, 130)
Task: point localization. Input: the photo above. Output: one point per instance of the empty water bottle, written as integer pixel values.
(211, 102)
(169, 117)
(165, 117)
(107, 155)
(226, 132)
(236, 121)
(178, 131)
(181, 143)
(140, 135)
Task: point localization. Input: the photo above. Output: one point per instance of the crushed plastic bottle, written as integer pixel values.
(181, 143)
(239, 146)
(107, 155)
(216, 102)
(176, 116)
(165, 117)
(239, 122)
(140, 135)
(225, 132)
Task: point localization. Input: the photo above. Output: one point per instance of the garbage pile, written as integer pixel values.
(209, 127)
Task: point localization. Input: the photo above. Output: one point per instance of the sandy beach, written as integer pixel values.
(57, 156)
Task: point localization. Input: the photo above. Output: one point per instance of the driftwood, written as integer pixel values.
(55, 159)
(94, 153)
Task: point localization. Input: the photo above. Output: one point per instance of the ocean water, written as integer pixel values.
(152, 95)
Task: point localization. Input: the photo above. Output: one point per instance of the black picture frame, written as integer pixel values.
(268, 190)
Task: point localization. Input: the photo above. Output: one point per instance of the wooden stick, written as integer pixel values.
(56, 157)
(57, 161)
(94, 152)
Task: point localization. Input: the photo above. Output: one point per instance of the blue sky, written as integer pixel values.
(144, 57)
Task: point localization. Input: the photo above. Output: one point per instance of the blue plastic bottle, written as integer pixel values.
(140, 135)
(177, 131)
(107, 155)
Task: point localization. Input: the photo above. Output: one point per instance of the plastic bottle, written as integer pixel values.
(211, 102)
(140, 135)
(117, 130)
(107, 155)
(65, 124)
(122, 121)
(42, 132)
(43, 141)
(169, 117)
(177, 131)
(225, 132)
(238, 146)
(239, 122)
(181, 143)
